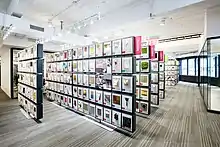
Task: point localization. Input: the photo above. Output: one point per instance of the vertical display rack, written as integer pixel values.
(96, 81)
(143, 82)
(171, 72)
(155, 78)
(30, 82)
(161, 75)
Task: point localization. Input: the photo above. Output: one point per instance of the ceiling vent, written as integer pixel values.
(37, 28)
(31, 40)
(18, 15)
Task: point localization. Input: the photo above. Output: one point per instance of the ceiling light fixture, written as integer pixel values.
(106, 37)
(8, 31)
(162, 22)
(91, 22)
(50, 25)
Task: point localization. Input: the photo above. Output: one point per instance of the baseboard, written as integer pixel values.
(214, 111)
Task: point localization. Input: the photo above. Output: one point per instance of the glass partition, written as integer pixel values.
(208, 74)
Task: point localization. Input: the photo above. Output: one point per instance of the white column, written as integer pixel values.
(6, 70)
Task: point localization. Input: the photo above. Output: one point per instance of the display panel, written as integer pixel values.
(161, 67)
(144, 107)
(99, 81)
(137, 93)
(75, 81)
(85, 80)
(85, 52)
(92, 65)
(116, 47)
(116, 118)
(116, 83)
(75, 67)
(107, 81)
(154, 99)
(127, 122)
(85, 65)
(145, 66)
(99, 97)
(92, 80)
(127, 65)
(154, 88)
(100, 65)
(80, 79)
(137, 79)
(92, 94)
(80, 106)
(116, 101)
(144, 93)
(99, 112)
(127, 103)
(75, 56)
(75, 91)
(86, 93)
(99, 50)
(154, 78)
(144, 79)
(154, 66)
(127, 84)
(80, 65)
(80, 92)
(107, 99)
(92, 110)
(108, 66)
(127, 46)
(107, 115)
(75, 104)
(92, 51)
(145, 51)
(107, 49)
(80, 53)
(116, 65)
(138, 65)
(85, 108)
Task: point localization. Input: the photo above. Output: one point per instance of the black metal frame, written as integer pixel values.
(121, 111)
(39, 82)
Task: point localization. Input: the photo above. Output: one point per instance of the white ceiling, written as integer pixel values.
(129, 17)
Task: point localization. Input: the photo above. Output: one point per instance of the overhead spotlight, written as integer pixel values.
(79, 27)
(59, 34)
(162, 23)
(85, 24)
(50, 25)
(91, 22)
(99, 16)
(68, 32)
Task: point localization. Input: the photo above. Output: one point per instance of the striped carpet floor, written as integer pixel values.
(180, 121)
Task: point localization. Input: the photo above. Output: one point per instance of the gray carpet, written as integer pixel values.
(180, 121)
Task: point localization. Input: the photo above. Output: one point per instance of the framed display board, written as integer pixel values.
(102, 83)
(30, 82)
(161, 75)
(143, 80)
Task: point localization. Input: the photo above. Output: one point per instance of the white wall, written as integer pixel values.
(5, 70)
(212, 22)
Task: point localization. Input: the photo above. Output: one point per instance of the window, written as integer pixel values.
(191, 67)
(203, 66)
(184, 67)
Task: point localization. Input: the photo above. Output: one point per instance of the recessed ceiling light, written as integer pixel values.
(79, 27)
(59, 34)
(106, 37)
(91, 22)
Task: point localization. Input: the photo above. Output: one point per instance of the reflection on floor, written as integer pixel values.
(180, 121)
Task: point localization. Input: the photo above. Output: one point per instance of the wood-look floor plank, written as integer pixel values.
(180, 121)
